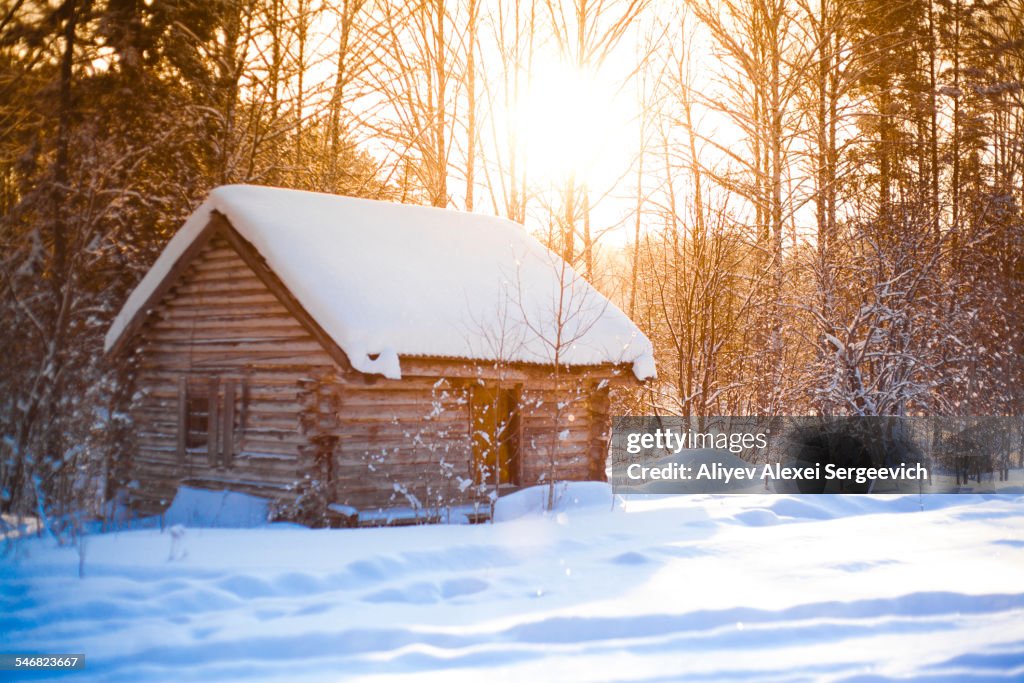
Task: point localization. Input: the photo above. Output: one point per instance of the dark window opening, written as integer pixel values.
(211, 419)
(197, 420)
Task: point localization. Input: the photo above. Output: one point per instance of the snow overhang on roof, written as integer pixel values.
(388, 280)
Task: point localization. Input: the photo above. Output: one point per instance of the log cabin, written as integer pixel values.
(363, 359)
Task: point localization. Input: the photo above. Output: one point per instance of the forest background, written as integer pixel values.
(809, 206)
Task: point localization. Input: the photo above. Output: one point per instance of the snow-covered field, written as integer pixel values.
(701, 588)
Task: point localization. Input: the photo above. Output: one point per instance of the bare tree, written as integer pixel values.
(513, 32)
(553, 329)
(586, 34)
(764, 62)
(414, 70)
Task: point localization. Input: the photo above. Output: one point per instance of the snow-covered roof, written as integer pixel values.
(388, 280)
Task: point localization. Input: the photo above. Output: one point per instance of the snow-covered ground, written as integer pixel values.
(701, 588)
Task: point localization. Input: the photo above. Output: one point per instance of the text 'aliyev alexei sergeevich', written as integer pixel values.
(726, 474)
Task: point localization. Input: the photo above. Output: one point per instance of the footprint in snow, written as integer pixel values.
(630, 558)
(424, 593)
(454, 588)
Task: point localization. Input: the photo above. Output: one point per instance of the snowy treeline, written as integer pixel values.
(819, 209)
(831, 221)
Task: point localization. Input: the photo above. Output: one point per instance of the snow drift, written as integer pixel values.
(700, 588)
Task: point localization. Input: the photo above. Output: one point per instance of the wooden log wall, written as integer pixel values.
(400, 443)
(559, 426)
(221, 322)
(416, 432)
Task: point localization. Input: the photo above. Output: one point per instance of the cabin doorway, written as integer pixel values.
(495, 427)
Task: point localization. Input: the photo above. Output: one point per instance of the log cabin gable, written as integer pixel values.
(220, 227)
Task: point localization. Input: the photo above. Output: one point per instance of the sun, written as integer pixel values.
(575, 124)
